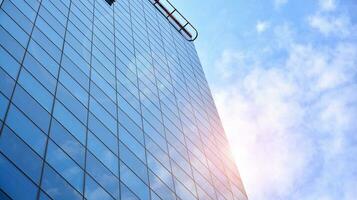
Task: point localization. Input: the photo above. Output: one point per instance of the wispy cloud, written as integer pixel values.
(330, 25)
(279, 3)
(291, 123)
(327, 5)
(262, 26)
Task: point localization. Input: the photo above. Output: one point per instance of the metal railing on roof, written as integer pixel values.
(181, 24)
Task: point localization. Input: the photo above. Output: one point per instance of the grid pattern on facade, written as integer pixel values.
(106, 102)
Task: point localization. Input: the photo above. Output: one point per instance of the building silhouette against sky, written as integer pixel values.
(101, 101)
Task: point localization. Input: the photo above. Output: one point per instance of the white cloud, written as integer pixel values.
(279, 3)
(327, 5)
(291, 123)
(330, 25)
(228, 62)
(262, 26)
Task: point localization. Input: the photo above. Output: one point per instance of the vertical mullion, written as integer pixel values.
(88, 105)
(54, 100)
(21, 66)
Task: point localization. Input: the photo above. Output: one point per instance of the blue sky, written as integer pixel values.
(284, 77)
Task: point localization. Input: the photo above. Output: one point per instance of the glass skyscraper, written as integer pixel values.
(101, 101)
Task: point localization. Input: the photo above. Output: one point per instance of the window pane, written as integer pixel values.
(160, 188)
(20, 154)
(36, 90)
(8, 63)
(4, 102)
(67, 142)
(56, 187)
(32, 109)
(65, 166)
(13, 29)
(129, 124)
(127, 139)
(73, 70)
(41, 73)
(73, 87)
(11, 45)
(26, 130)
(72, 103)
(67, 119)
(126, 193)
(103, 153)
(133, 162)
(93, 191)
(6, 84)
(43, 57)
(11, 178)
(103, 115)
(106, 136)
(160, 171)
(133, 182)
(102, 175)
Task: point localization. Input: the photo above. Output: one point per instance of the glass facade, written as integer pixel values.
(106, 102)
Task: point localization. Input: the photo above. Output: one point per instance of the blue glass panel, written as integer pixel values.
(50, 32)
(56, 187)
(11, 178)
(103, 153)
(160, 188)
(103, 99)
(133, 182)
(36, 90)
(78, 46)
(103, 115)
(31, 108)
(41, 73)
(155, 135)
(20, 154)
(73, 87)
(76, 73)
(128, 96)
(4, 196)
(182, 191)
(129, 124)
(46, 44)
(103, 84)
(11, 45)
(44, 196)
(102, 175)
(68, 120)
(107, 137)
(26, 130)
(67, 142)
(130, 111)
(15, 30)
(56, 10)
(65, 166)
(52, 22)
(6, 84)
(94, 192)
(4, 102)
(126, 193)
(26, 9)
(133, 162)
(76, 58)
(43, 57)
(75, 106)
(160, 171)
(157, 151)
(127, 139)
(8, 63)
